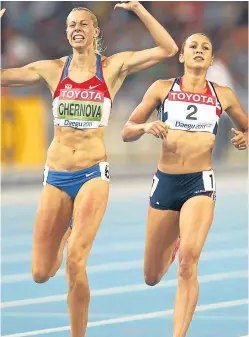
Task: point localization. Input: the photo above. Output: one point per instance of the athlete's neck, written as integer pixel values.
(194, 82)
(84, 59)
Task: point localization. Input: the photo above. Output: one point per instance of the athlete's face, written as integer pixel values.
(80, 29)
(198, 52)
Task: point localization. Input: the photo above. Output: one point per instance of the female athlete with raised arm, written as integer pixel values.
(182, 198)
(76, 176)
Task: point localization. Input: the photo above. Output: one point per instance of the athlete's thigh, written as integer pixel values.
(196, 218)
(89, 209)
(162, 230)
(52, 221)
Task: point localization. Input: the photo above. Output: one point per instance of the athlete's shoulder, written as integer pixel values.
(58, 62)
(105, 60)
(167, 82)
(103, 57)
(159, 88)
(225, 94)
(224, 90)
(48, 64)
(112, 59)
(48, 69)
(163, 84)
(109, 62)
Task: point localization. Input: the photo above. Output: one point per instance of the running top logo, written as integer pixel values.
(192, 98)
(191, 111)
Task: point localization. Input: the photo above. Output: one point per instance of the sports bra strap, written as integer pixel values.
(65, 71)
(98, 68)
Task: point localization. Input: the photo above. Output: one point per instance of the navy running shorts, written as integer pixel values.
(171, 191)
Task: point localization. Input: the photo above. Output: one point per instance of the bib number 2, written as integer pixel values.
(194, 111)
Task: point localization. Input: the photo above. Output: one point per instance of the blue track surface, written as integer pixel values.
(115, 263)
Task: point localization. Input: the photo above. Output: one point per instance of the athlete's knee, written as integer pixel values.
(151, 278)
(76, 264)
(40, 276)
(187, 265)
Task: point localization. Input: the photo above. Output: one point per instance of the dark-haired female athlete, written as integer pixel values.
(182, 198)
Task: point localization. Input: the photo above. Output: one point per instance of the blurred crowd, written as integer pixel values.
(34, 30)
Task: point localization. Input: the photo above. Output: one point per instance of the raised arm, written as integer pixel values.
(24, 76)
(240, 119)
(136, 126)
(166, 46)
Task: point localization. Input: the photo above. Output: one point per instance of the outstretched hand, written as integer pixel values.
(2, 12)
(128, 5)
(240, 139)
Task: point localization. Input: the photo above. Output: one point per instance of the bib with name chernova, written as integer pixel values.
(85, 105)
(191, 111)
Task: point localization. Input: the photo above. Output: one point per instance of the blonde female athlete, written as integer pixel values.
(76, 176)
(182, 197)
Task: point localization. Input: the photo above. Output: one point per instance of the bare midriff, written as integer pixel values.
(73, 149)
(186, 152)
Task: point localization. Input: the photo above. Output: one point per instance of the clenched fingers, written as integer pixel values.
(160, 129)
(238, 140)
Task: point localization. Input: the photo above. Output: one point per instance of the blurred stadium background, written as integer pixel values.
(35, 30)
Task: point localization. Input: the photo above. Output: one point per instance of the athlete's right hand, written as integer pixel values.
(2, 12)
(129, 5)
(157, 129)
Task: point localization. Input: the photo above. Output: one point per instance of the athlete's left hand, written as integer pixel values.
(240, 140)
(129, 5)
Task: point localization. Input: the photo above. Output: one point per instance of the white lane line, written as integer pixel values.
(138, 317)
(130, 265)
(97, 250)
(221, 318)
(57, 314)
(105, 315)
(98, 268)
(243, 274)
(26, 239)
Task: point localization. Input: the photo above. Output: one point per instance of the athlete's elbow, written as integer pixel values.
(125, 135)
(169, 52)
(128, 135)
(174, 50)
(132, 131)
(164, 53)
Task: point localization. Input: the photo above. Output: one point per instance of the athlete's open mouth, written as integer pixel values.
(78, 37)
(198, 58)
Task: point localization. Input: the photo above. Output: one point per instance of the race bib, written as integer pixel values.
(80, 108)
